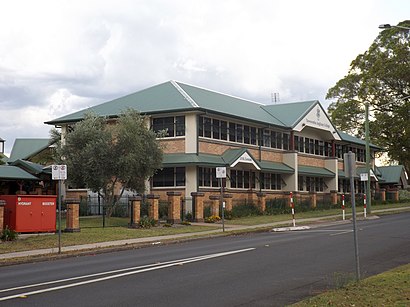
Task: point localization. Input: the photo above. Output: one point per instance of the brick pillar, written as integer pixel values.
(383, 195)
(136, 211)
(174, 207)
(333, 197)
(261, 201)
(215, 204)
(252, 197)
(2, 204)
(153, 206)
(313, 199)
(395, 194)
(198, 198)
(73, 215)
(228, 201)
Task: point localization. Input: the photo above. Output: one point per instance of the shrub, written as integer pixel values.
(212, 219)
(228, 214)
(186, 223)
(146, 222)
(243, 210)
(8, 234)
(189, 217)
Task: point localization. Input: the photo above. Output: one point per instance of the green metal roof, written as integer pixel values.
(290, 113)
(276, 167)
(392, 174)
(175, 96)
(230, 156)
(31, 167)
(352, 139)
(8, 172)
(24, 148)
(182, 159)
(314, 171)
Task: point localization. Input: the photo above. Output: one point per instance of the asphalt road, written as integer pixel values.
(259, 269)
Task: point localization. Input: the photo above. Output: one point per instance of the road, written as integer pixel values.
(258, 269)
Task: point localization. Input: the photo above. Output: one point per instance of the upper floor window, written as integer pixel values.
(169, 177)
(172, 125)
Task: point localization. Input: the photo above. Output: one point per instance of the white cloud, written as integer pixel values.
(57, 57)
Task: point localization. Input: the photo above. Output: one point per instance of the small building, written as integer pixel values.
(393, 177)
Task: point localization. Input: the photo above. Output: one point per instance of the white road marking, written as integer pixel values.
(131, 271)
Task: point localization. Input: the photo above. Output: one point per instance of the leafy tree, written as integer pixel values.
(381, 78)
(1, 159)
(109, 156)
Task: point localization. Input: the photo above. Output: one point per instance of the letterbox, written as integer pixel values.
(30, 213)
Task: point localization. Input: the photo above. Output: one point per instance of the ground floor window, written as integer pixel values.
(242, 179)
(207, 177)
(344, 186)
(271, 181)
(169, 177)
(311, 184)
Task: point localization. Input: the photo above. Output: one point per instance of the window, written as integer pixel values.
(174, 126)
(216, 129)
(169, 177)
(271, 181)
(224, 130)
(242, 179)
(207, 127)
(207, 177)
(311, 184)
(286, 138)
(232, 132)
(253, 136)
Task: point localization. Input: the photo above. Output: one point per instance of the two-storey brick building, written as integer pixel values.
(265, 148)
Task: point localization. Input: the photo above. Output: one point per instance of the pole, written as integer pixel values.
(292, 204)
(343, 207)
(352, 189)
(59, 216)
(367, 136)
(222, 205)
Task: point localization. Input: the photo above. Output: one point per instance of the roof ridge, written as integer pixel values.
(224, 94)
(184, 94)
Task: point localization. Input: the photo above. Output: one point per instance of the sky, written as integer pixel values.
(58, 57)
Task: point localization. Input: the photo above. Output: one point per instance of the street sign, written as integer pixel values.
(59, 172)
(364, 177)
(221, 172)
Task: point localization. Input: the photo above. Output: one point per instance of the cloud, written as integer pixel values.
(57, 57)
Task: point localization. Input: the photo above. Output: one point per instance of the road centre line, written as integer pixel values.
(131, 271)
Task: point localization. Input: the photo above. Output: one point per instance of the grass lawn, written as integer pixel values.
(391, 288)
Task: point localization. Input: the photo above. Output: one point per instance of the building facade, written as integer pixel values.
(274, 149)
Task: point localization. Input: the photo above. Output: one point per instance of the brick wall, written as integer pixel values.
(309, 161)
(173, 145)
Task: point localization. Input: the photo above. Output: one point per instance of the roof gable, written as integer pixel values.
(24, 148)
(392, 173)
(9, 172)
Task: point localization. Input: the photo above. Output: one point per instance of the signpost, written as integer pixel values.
(59, 172)
(221, 173)
(350, 166)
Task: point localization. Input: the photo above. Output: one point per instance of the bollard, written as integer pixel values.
(364, 206)
(292, 204)
(343, 207)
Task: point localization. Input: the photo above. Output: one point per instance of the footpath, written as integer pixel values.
(229, 229)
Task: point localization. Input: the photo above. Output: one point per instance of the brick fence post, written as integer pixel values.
(136, 211)
(198, 198)
(215, 204)
(333, 197)
(228, 202)
(153, 206)
(313, 199)
(174, 207)
(383, 195)
(73, 215)
(261, 201)
(2, 204)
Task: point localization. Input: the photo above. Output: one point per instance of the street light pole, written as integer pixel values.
(367, 137)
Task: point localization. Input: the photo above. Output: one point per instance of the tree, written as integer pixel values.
(108, 156)
(381, 78)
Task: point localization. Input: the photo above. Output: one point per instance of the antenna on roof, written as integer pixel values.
(275, 97)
